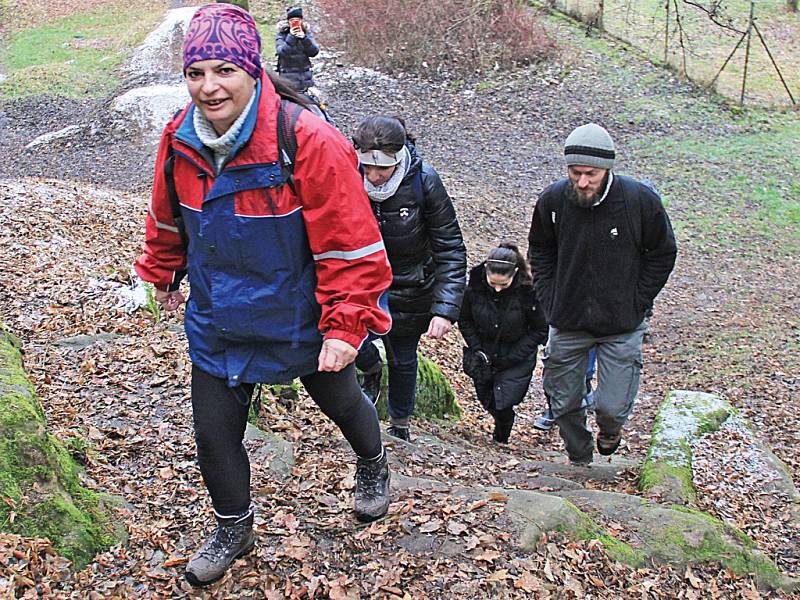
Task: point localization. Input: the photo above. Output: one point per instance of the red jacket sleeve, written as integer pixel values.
(163, 259)
(353, 271)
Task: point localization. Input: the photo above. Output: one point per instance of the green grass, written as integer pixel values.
(642, 24)
(74, 57)
(736, 185)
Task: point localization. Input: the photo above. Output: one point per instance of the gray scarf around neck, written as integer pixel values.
(388, 189)
(220, 144)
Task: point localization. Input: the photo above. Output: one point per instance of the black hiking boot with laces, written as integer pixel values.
(372, 488)
(400, 432)
(234, 537)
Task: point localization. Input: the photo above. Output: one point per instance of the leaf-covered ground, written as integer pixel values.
(727, 323)
(118, 381)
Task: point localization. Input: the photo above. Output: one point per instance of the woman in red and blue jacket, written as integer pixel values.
(286, 280)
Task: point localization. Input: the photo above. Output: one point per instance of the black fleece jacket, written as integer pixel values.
(590, 272)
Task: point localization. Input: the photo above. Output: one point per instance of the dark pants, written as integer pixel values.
(401, 354)
(220, 418)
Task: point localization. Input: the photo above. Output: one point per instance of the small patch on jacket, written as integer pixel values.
(553, 216)
(613, 233)
(404, 212)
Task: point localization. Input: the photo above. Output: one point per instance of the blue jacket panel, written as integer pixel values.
(242, 319)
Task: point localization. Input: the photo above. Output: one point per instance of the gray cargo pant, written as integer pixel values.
(619, 364)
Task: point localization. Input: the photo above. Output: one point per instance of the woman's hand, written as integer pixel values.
(169, 301)
(297, 32)
(336, 355)
(438, 327)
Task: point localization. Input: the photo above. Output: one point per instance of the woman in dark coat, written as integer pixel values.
(500, 320)
(295, 46)
(425, 249)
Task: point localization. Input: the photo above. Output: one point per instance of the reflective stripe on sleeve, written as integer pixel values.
(160, 225)
(352, 254)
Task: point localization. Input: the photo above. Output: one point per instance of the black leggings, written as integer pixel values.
(220, 418)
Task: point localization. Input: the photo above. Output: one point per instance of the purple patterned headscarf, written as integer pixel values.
(223, 32)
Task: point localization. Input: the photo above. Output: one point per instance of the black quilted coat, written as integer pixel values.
(425, 248)
(508, 326)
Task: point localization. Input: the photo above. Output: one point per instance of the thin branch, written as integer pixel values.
(714, 12)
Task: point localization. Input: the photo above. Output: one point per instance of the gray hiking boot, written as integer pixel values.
(233, 538)
(372, 488)
(545, 421)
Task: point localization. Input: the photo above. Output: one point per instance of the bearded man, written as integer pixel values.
(601, 247)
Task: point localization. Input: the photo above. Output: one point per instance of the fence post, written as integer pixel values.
(747, 52)
(666, 33)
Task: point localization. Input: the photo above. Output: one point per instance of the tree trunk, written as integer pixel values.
(791, 5)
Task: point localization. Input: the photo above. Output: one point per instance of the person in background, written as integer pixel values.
(300, 310)
(295, 47)
(601, 247)
(501, 322)
(427, 253)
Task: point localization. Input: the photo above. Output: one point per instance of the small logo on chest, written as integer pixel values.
(404, 212)
(613, 234)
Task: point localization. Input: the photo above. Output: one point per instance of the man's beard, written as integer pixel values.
(582, 201)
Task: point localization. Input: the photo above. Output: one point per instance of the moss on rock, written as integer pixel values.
(435, 396)
(699, 537)
(39, 482)
(682, 418)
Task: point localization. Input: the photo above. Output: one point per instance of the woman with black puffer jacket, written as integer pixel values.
(295, 47)
(427, 254)
(503, 326)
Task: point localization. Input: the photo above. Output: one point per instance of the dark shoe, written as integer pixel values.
(545, 421)
(502, 430)
(371, 384)
(233, 538)
(372, 488)
(399, 432)
(581, 462)
(608, 443)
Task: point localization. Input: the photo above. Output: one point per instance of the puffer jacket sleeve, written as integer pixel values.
(447, 247)
(282, 47)
(163, 259)
(353, 272)
(309, 45)
(466, 323)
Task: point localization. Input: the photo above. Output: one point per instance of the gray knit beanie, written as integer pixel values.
(590, 146)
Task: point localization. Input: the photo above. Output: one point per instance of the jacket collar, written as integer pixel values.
(257, 141)
(608, 188)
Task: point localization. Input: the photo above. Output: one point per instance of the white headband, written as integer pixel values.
(377, 158)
